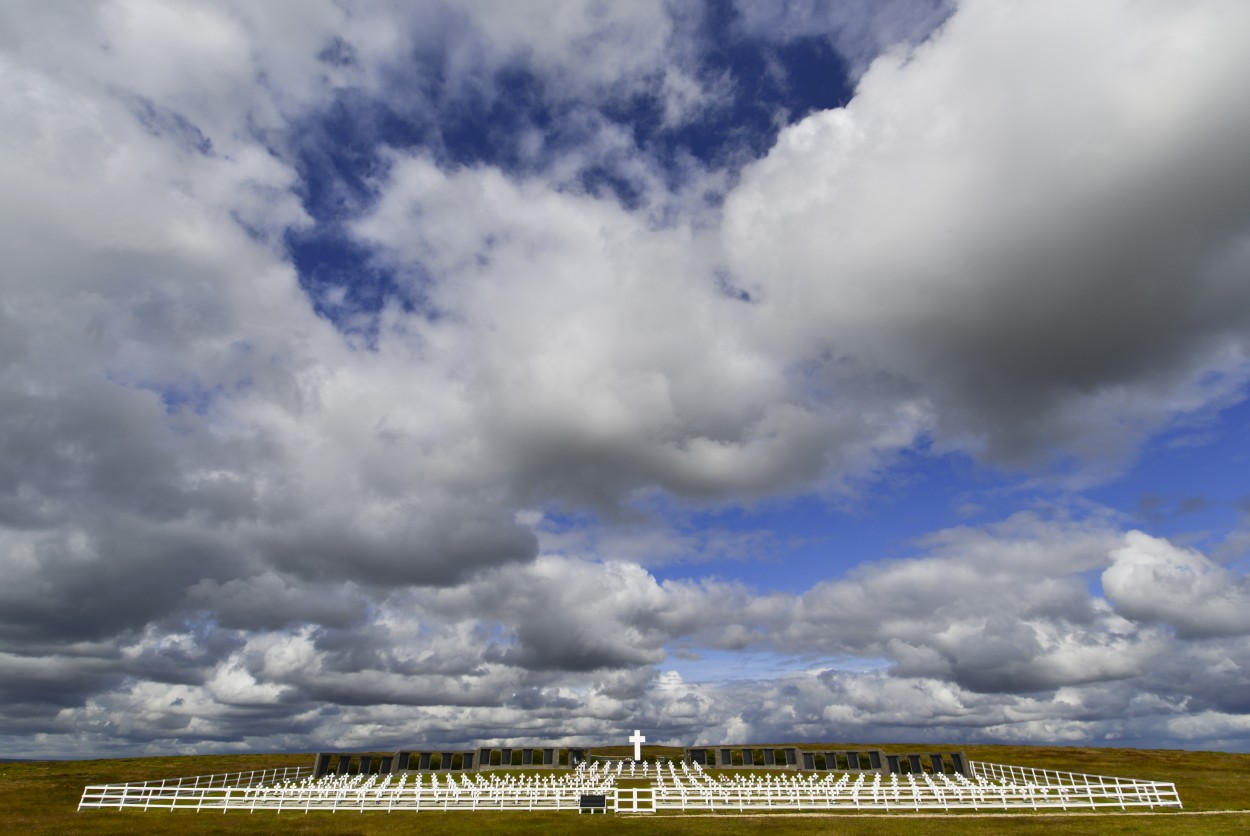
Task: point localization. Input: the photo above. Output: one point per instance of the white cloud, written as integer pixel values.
(564, 650)
(1051, 251)
(583, 46)
(599, 354)
(222, 520)
(1151, 579)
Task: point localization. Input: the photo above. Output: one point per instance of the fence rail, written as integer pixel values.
(302, 793)
(143, 793)
(294, 789)
(995, 788)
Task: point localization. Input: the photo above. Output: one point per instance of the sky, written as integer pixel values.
(440, 374)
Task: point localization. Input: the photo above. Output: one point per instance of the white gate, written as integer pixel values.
(634, 800)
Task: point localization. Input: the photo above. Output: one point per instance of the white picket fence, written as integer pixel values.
(304, 793)
(176, 792)
(675, 787)
(995, 787)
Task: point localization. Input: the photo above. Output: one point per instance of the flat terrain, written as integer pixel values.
(41, 797)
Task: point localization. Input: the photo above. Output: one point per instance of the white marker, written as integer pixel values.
(637, 739)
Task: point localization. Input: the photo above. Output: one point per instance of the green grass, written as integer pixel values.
(41, 797)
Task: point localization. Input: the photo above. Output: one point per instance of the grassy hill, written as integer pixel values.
(41, 797)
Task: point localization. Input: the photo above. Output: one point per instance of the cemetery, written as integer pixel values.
(721, 779)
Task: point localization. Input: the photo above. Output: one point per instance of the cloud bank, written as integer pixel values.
(346, 357)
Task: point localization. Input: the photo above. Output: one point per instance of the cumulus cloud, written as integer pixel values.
(239, 509)
(1150, 579)
(609, 358)
(563, 649)
(1003, 609)
(1052, 255)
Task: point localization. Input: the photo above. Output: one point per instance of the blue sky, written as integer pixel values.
(484, 373)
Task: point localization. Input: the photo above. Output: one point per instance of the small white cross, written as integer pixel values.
(637, 739)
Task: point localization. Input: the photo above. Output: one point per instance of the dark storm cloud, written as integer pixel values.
(270, 601)
(457, 541)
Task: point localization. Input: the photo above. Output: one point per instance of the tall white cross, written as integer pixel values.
(637, 739)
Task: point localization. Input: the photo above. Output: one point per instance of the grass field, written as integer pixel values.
(41, 797)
